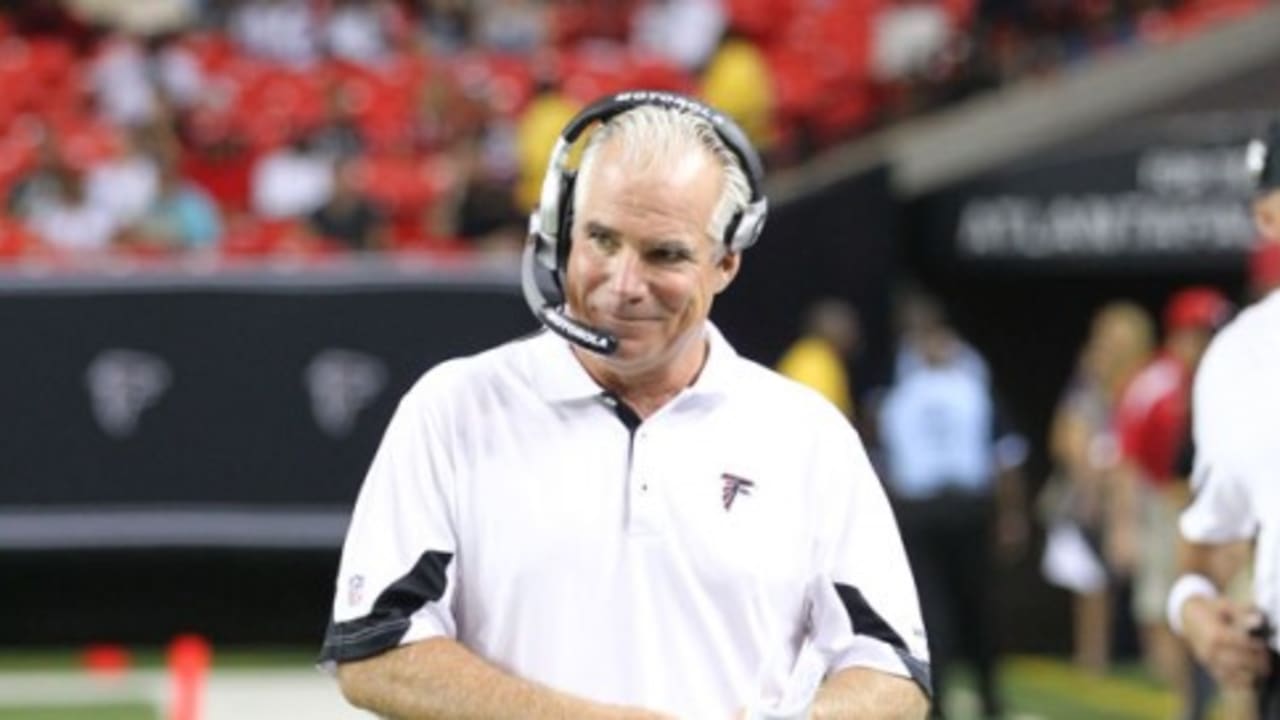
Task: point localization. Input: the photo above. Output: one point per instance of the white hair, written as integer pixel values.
(650, 134)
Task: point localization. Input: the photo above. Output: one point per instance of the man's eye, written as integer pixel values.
(669, 255)
(602, 239)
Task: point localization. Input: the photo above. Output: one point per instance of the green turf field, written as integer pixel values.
(92, 712)
(1036, 688)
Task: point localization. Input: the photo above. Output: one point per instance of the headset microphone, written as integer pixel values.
(551, 314)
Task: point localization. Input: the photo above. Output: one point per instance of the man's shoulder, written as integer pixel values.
(1247, 350)
(1253, 327)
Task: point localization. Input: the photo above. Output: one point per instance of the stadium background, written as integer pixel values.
(1022, 160)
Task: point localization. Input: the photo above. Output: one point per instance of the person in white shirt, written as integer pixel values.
(285, 31)
(291, 181)
(70, 221)
(620, 517)
(1236, 484)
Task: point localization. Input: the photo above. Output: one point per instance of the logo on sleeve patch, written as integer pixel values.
(733, 487)
(355, 590)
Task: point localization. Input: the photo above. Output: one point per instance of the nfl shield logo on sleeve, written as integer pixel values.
(355, 590)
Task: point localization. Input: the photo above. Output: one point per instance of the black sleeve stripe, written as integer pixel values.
(388, 621)
(866, 621)
(920, 671)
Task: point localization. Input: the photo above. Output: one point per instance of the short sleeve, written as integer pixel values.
(1221, 509)
(865, 610)
(397, 579)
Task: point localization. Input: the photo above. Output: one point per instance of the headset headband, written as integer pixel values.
(732, 135)
(554, 205)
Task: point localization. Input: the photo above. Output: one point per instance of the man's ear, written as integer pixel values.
(727, 269)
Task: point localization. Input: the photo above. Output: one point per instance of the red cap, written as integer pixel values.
(1264, 265)
(1196, 308)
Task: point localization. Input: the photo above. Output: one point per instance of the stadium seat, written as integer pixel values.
(505, 80)
(401, 185)
(760, 20)
(15, 240)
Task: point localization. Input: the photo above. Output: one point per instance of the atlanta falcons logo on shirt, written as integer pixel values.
(733, 487)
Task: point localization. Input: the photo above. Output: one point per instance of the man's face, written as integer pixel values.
(642, 265)
(1266, 214)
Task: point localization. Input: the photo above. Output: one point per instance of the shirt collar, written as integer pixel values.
(560, 377)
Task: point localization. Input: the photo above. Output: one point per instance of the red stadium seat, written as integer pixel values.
(761, 20)
(587, 74)
(214, 51)
(505, 80)
(658, 73)
(402, 185)
(249, 237)
(15, 240)
(88, 141)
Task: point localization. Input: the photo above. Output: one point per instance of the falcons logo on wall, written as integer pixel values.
(733, 487)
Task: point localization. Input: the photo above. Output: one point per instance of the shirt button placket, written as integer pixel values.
(645, 509)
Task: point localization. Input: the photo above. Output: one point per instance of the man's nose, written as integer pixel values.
(628, 274)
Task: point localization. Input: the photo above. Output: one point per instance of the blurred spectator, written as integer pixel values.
(907, 38)
(952, 472)
(359, 30)
(134, 82)
(183, 216)
(917, 315)
(820, 357)
(441, 114)
(67, 220)
(285, 31)
(737, 80)
(338, 135)
(41, 185)
(536, 134)
(511, 26)
(1152, 424)
(446, 24)
(349, 218)
(291, 181)
(1082, 446)
(218, 160)
(487, 214)
(122, 83)
(685, 32)
(129, 184)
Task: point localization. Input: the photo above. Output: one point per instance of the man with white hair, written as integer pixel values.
(619, 517)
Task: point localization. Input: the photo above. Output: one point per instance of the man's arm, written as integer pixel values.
(858, 692)
(439, 678)
(1216, 628)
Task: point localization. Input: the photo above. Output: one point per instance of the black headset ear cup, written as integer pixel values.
(564, 223)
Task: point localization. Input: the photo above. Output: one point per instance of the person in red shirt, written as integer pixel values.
(1152, 425)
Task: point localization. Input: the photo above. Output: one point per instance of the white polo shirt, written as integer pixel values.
(679, 566)
(1236, 478)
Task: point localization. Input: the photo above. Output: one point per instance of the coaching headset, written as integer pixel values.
(546, 252)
